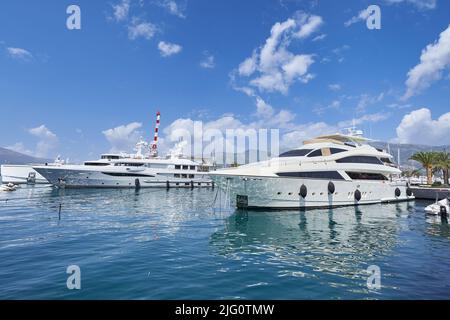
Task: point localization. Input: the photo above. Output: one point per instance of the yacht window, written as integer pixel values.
(176, 175)
(191, 176)
(360, 159)
(336, 150)
(177, 167)
(295, 153)
(366, 176)
(185, 167)
(110, 157)
(315, 153)
(312, 174)
(386, 160)
(129, 164)
(98, 164)
(184, 176)
(192, 167)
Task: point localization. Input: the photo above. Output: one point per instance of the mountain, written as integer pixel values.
(12, 157)
(406, 151)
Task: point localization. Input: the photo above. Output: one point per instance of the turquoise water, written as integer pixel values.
(158, 244)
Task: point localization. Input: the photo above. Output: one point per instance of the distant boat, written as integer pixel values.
(24, 174)
(436, 208)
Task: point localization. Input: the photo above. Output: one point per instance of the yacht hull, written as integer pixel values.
(21, 174)
(285, 193)
(73, 178)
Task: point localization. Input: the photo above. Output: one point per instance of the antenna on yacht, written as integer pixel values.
(154, 151)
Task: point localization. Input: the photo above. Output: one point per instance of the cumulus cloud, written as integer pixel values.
(47, 140)
(173, 8)
(420, 128)
(168, 49)
(334, 86)
(124, 137)
(420, 4)
(361, 16)
(435, 58)
(141, 29)
(19, 53)
(121, 10)
(273, 67)
(208, 61)
(21, 148)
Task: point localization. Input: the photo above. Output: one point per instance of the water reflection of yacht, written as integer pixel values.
(327, 171)
(336, 240)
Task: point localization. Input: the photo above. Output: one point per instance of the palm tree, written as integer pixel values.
(426, 159)
(442, 162)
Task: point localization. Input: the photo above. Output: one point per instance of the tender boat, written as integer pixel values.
(327, 171)
(8, 187)
(438, 207)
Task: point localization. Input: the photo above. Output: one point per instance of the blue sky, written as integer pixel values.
(82, 92)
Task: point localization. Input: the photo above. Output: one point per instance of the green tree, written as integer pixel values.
(426, 159)
(442, 162)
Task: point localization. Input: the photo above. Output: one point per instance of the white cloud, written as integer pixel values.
(418, 127)
(334, 86)
(168, 49)
(173, 8)
(302, 132)
(362, 16)
(19, 53)
(124, 137)
(435, 58)
(121, 10)
(47, 140)
(366, 100)
(319, 37)
(138, 29)
(20, 147)
(374, 117)
(208, 62)
(308, 24)
(421, 4)
(273, 66)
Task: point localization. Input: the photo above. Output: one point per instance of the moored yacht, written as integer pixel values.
(327, 171)
(144, 169)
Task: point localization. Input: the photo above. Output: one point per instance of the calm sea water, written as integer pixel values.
(158, 244)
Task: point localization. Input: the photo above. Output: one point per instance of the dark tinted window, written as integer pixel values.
(98, 164)
(336, 150)
(295, 153)
(366, 176)
(316, 153)
(312, 174)
(360, 159)
(192, 167)
(386, 160)
(177, 167)
(185, 167)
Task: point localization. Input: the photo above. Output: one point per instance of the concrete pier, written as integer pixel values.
(430, 193)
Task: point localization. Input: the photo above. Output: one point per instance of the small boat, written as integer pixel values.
(8, 187)
(436, 207)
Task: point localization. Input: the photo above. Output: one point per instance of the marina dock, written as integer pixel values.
(428, 193)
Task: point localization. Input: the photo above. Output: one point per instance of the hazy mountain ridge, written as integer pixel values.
(12, 157)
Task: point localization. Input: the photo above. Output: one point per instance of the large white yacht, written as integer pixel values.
(24, 173)
(144, 169)
(327, 171)
(139, 170)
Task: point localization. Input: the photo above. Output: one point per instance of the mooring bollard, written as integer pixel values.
(443, 213)
(59, 211)
(192, 184)
(167, 185)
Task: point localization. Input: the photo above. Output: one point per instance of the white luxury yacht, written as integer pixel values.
(327, 171)
(130, 171)
(25, 174)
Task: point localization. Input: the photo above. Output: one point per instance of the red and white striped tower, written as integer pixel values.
(155, 140)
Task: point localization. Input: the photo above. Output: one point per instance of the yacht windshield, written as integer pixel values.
(295, 153)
